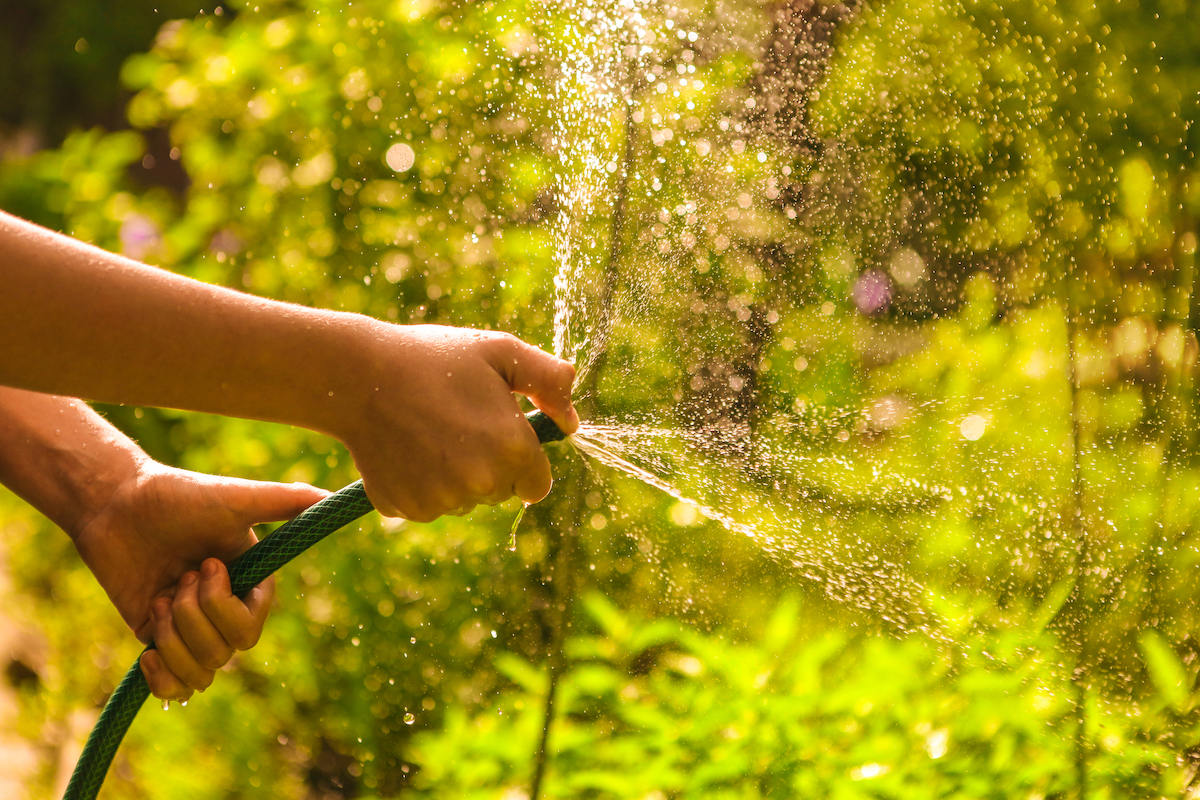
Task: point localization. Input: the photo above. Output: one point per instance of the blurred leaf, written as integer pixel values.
(1167, 671)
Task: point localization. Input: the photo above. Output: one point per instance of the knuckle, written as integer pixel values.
(167, 686)
(504, 338)
(203, 679)
(541, 487)
(164, 628)
(185, 602)
(210, 604)
(441, 507)
(246, 640)
(262, 594)
(506, 346)
(422, 513)
(215, 659)
(443, 502)
(513, 444)
(160, 687)
(398, 504)
(211, 592)
(389, 510)
(153, 673)
(480, 483)
(239, 637)
(565, 373)
(536, 482)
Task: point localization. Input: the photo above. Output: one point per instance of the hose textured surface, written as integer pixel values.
(247, 571)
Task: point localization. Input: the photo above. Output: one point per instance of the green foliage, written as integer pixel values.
(653, 709)
(972, 501)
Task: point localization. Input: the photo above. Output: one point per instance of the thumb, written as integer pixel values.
(544, 379)
(258, 501)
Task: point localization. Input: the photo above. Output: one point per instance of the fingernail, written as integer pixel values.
(150, 666)
(209, 568)
(188, 579)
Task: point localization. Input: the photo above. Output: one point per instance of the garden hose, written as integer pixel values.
(245, 572)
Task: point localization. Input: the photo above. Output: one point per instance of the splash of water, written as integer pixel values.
(591, 92)
(870, 583)
(599, 61)
(709, 185)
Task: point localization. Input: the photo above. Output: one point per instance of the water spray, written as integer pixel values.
(245, 572)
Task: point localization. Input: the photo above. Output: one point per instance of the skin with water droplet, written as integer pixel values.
(166, 705)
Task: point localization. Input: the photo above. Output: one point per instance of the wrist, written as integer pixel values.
(341, 378)
(93, 479)
(62, 457)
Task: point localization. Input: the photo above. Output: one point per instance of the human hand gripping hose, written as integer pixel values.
(247, 571)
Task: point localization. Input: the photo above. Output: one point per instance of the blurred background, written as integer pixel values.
(893, 305)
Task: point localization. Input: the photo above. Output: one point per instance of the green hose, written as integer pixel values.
(247, 571)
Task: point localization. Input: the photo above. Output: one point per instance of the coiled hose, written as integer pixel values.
(247, 571)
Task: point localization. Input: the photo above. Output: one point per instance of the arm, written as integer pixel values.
(82, 322)
(154, 537)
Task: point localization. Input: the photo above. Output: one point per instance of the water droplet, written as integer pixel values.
(166, 705)
(409, 718)
(183, 703)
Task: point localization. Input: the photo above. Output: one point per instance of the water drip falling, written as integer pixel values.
(512, 532)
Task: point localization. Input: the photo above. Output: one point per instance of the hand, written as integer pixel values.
(441, 429)
(426, 411)
(158, 548)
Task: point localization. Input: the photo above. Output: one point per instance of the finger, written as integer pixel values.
(162, 682)
(239, 622)
(195, 628)
(543, 378)
(384, 504)
(534, 480)
(526, 463)
(175, 654)
(429, 511)
(497, 497)
(411, 509)
(258, 602)
(438, 501)
(258, 501)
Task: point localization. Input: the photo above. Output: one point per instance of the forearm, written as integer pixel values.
(60, 456)
(76, 320)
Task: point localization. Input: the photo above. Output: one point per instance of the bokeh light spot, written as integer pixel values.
(400, 157)
(972, 427)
